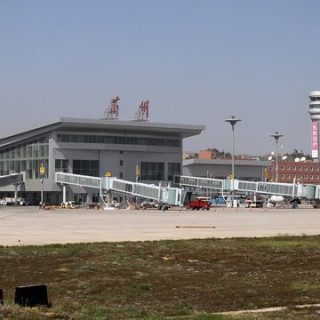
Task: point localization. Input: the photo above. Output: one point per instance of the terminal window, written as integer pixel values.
(62, 165)
(152, 171)
(86, 167)
(173, 170)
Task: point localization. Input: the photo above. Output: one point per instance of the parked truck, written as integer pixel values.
(199, 203)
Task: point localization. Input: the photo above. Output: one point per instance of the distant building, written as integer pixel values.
(188, 155)
(252, 170)
(307, 172)
(207, 154)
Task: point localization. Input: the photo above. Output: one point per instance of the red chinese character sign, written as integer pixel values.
(315, 139)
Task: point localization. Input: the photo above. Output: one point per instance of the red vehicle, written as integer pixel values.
(199, 203)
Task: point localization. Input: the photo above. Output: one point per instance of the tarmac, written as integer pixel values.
(31, 226)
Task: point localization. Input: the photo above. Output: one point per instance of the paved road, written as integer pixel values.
(29, 225)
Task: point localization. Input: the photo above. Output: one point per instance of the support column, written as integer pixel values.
(64, 193)
(109, 198)
(15, 193)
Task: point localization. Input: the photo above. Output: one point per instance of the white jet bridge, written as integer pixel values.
(14, 179)
(164, 195)
(169, 196)
(9, 179)
(292, 190)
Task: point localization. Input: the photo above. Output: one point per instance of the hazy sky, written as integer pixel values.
(198, 62)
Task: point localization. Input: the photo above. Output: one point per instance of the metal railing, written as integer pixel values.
(78, 180)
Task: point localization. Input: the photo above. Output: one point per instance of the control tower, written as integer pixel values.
(314, 111)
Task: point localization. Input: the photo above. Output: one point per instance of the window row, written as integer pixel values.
(152, 170)
(149, 170)
(299, 177)
(118, 140)
(83, 167)
(86, 167)
(35, 149)
(300, 168)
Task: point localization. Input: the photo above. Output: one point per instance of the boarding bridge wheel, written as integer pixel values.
(295, 202)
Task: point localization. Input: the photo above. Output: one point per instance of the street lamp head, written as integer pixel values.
(233, 120)
(276, 136)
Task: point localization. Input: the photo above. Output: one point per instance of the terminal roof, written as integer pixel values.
(132, 127)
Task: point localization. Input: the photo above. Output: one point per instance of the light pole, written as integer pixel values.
(276, 137)
(233, 120)
(42, 171)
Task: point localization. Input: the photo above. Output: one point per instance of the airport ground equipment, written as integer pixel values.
(199, 203)
(165, 195)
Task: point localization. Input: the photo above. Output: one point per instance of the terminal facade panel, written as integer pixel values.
(95, 148)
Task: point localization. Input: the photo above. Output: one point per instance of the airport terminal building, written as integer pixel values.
(95, 148)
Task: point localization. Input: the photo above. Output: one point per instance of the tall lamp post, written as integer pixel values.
(42, 171)
(233, 121)
(276, 137)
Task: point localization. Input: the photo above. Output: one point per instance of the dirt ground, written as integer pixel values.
(29, 225)
(166, 279)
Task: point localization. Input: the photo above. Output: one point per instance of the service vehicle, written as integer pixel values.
(220, 201)
(199, 203)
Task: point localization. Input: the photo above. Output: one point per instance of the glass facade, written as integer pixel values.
(173, 170)
(118, 140)
(86, 167)
(28, 157)
(152, 171)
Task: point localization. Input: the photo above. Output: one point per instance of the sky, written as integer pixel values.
(196, 61)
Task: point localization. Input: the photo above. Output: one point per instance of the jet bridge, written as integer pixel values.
(12, 179)
(175, 196)
(267, 188)
(201, 183)
(9, 179)
(164, 195)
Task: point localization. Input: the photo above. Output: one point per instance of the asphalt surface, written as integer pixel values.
(29, 225)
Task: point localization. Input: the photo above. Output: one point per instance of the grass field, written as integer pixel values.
(191, 279)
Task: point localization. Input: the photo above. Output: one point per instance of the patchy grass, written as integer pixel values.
(189, 279)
